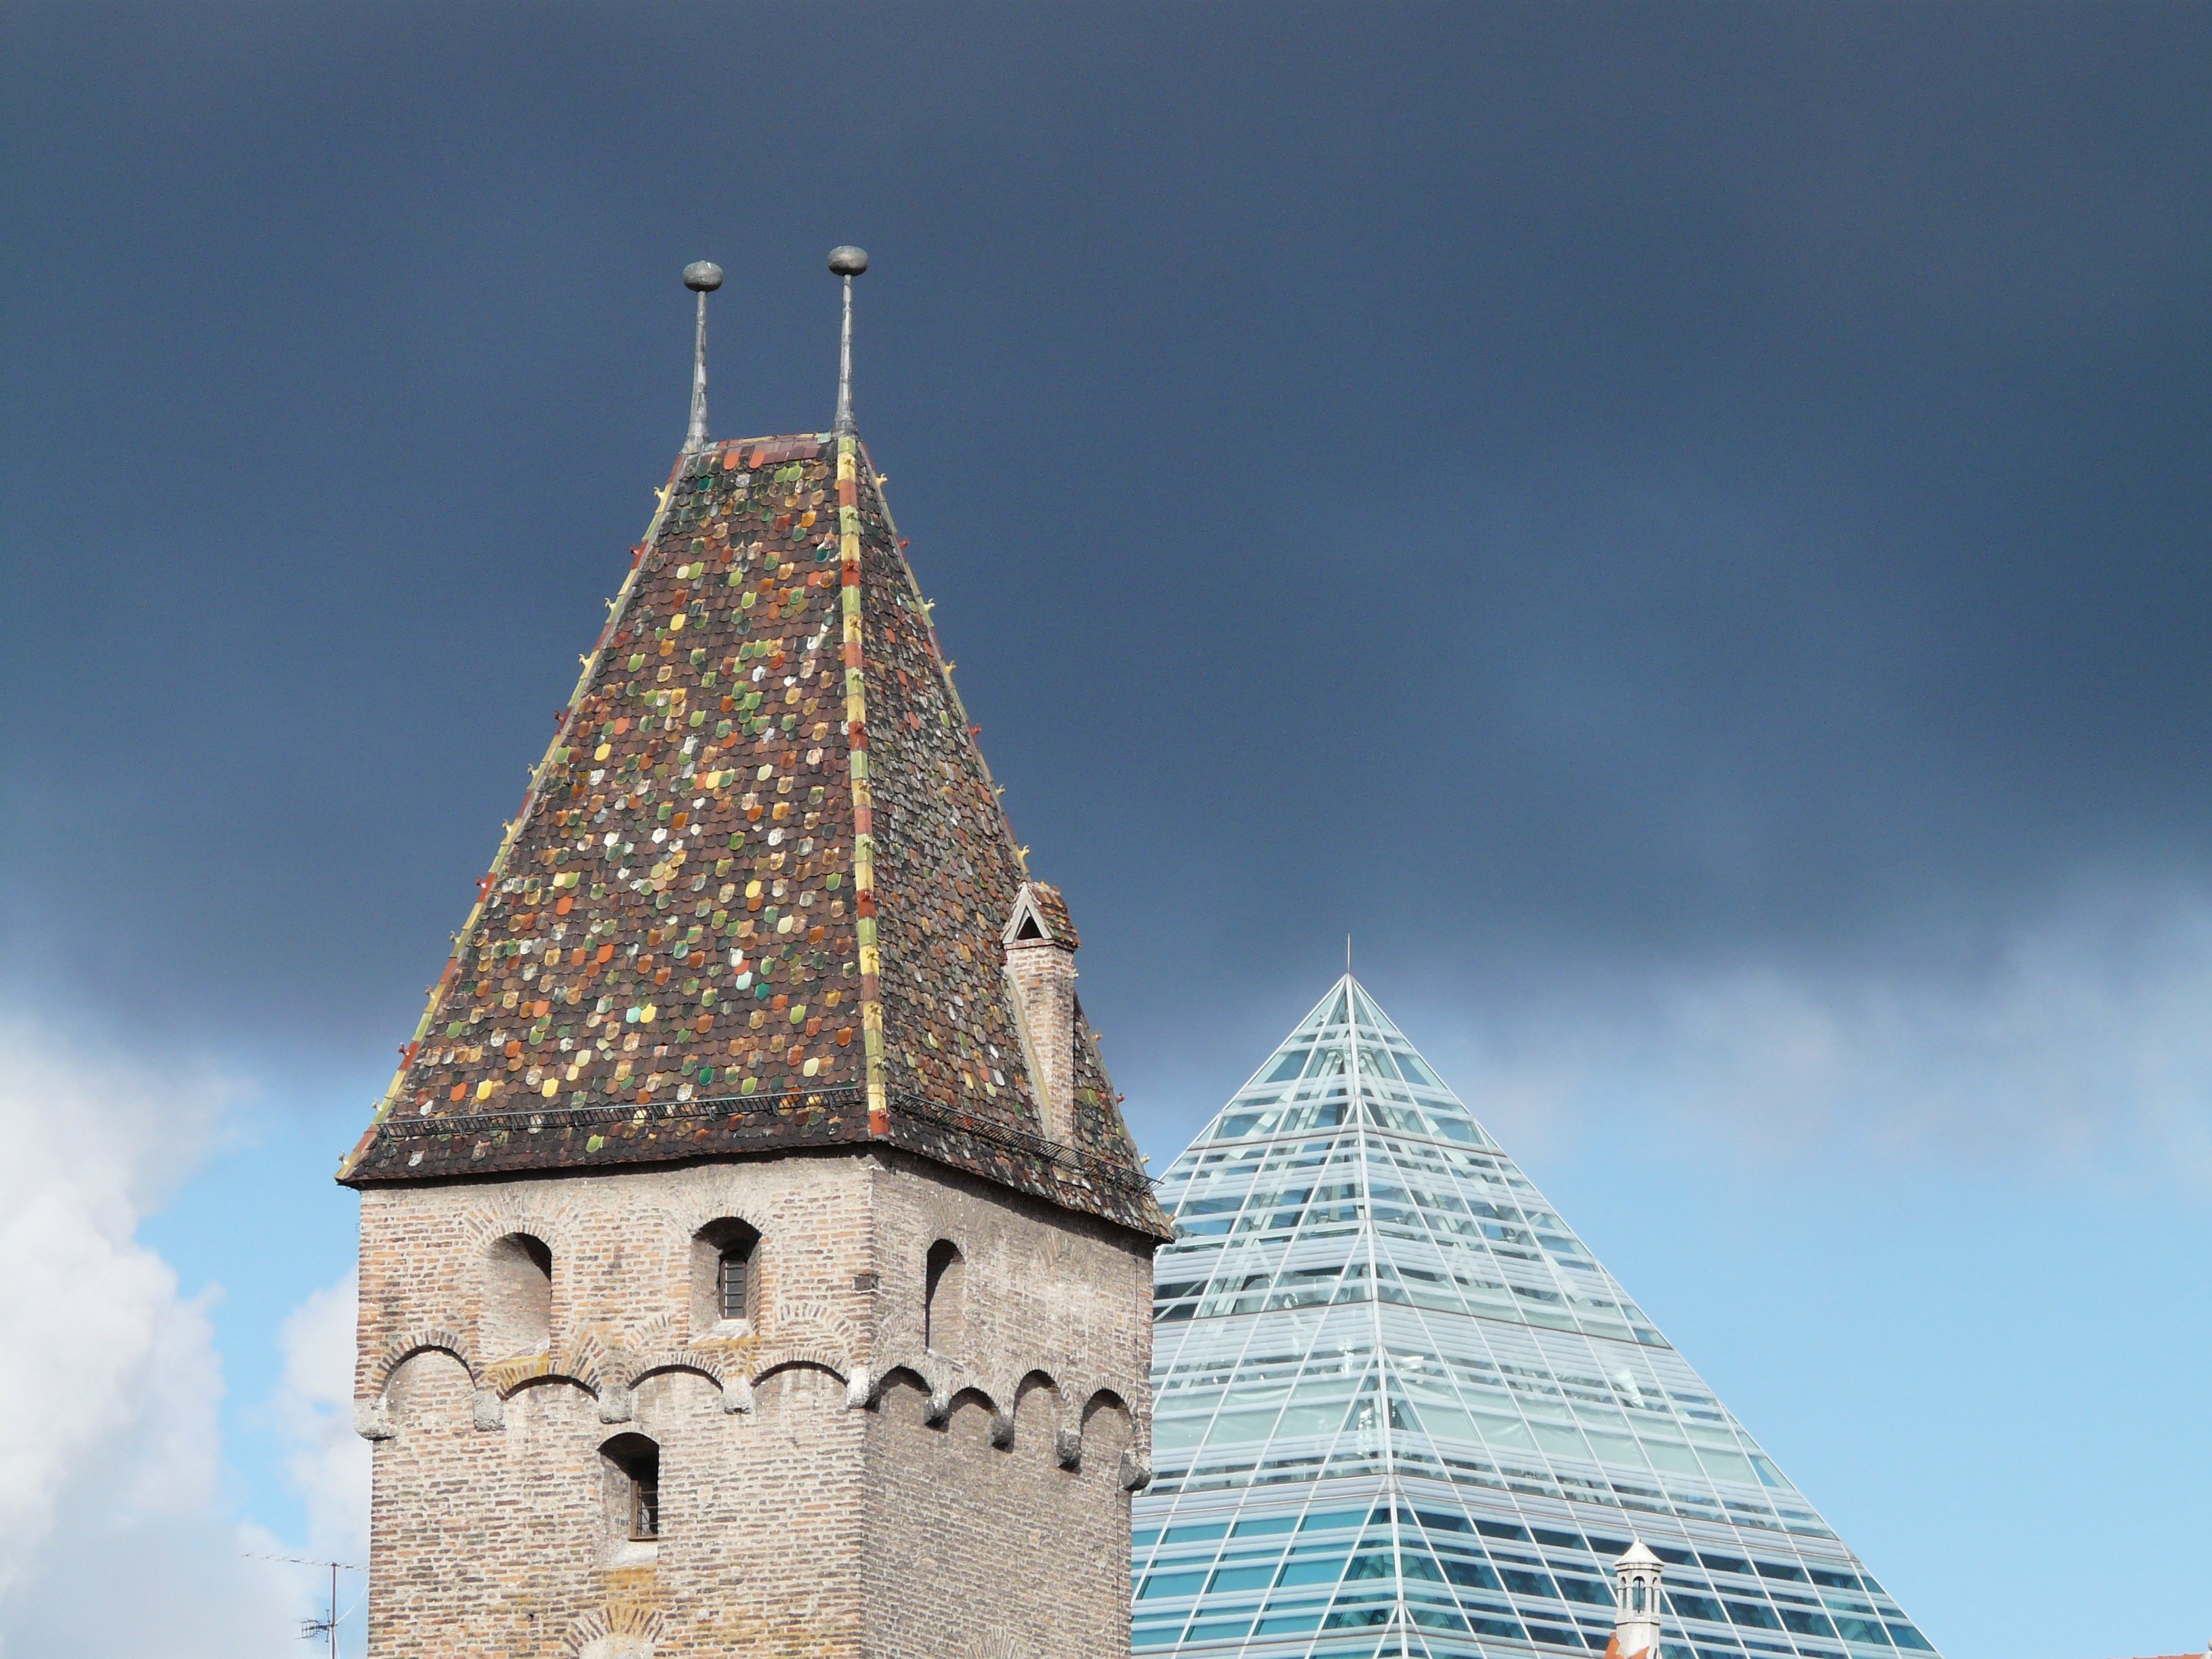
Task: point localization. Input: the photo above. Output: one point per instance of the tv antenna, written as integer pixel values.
(327, 1626)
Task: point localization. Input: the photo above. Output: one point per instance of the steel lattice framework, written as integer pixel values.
(1400, 1409)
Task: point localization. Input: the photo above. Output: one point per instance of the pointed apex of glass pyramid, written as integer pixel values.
(1347, 1002)
(1368, 1011)
(1402, 1412)
(1344, 1064)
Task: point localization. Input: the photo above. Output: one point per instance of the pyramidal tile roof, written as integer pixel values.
(753, 896)
(1399, 1409)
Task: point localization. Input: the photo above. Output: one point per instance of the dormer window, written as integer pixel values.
(1040, 946)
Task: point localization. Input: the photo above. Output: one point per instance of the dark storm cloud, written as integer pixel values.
(1551, 489)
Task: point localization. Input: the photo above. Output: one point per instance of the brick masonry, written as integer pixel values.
(829, 1485)
(1042, 974)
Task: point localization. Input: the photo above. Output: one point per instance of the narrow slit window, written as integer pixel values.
(733, 1267)
(633, 1482)
(725, 1273)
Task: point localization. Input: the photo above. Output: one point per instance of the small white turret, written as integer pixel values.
(1635, 1611)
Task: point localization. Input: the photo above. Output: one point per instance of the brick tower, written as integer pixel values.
(754, 1260)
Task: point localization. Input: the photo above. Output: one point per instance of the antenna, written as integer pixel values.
(326, 1626)
(848, 262)
(702, 277)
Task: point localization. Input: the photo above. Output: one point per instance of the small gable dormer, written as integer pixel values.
(1040, 943)
(1040, 917)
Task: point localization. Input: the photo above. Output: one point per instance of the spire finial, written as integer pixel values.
(702, 277)
(848, 262)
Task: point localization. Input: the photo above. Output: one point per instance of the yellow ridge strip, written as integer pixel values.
(856, 734)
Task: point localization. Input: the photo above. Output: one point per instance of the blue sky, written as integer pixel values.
(1679, 527)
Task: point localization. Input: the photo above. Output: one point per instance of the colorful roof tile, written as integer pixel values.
(753, 898)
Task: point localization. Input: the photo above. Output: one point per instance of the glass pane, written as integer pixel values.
(1403, 1353)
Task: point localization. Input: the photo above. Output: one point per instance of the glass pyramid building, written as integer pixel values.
(1398, 1409)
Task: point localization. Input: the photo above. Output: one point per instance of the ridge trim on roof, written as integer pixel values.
(872, 1099)
(856, 742)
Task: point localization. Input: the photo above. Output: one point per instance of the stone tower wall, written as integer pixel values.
(829, 1484)
(996, 1462)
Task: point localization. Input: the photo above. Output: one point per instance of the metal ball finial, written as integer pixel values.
(702, 277)
(848, 262)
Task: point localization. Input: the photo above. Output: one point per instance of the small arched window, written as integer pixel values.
(725, 1274)
(518, 1305)
(1636, 1598)
(944, 1309)
(631, 1470)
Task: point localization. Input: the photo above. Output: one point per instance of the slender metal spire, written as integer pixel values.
(703, 278)
(847, 262)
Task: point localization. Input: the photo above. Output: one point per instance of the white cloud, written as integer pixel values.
(2078, 1039)
(327, 1462)
(109, 1434)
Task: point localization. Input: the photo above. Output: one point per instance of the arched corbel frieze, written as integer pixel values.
(373, 1417)
(423, 1339)
(780, 1356)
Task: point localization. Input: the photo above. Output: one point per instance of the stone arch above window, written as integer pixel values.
(945, 1299)
(518, 1299)
(725, 1263)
